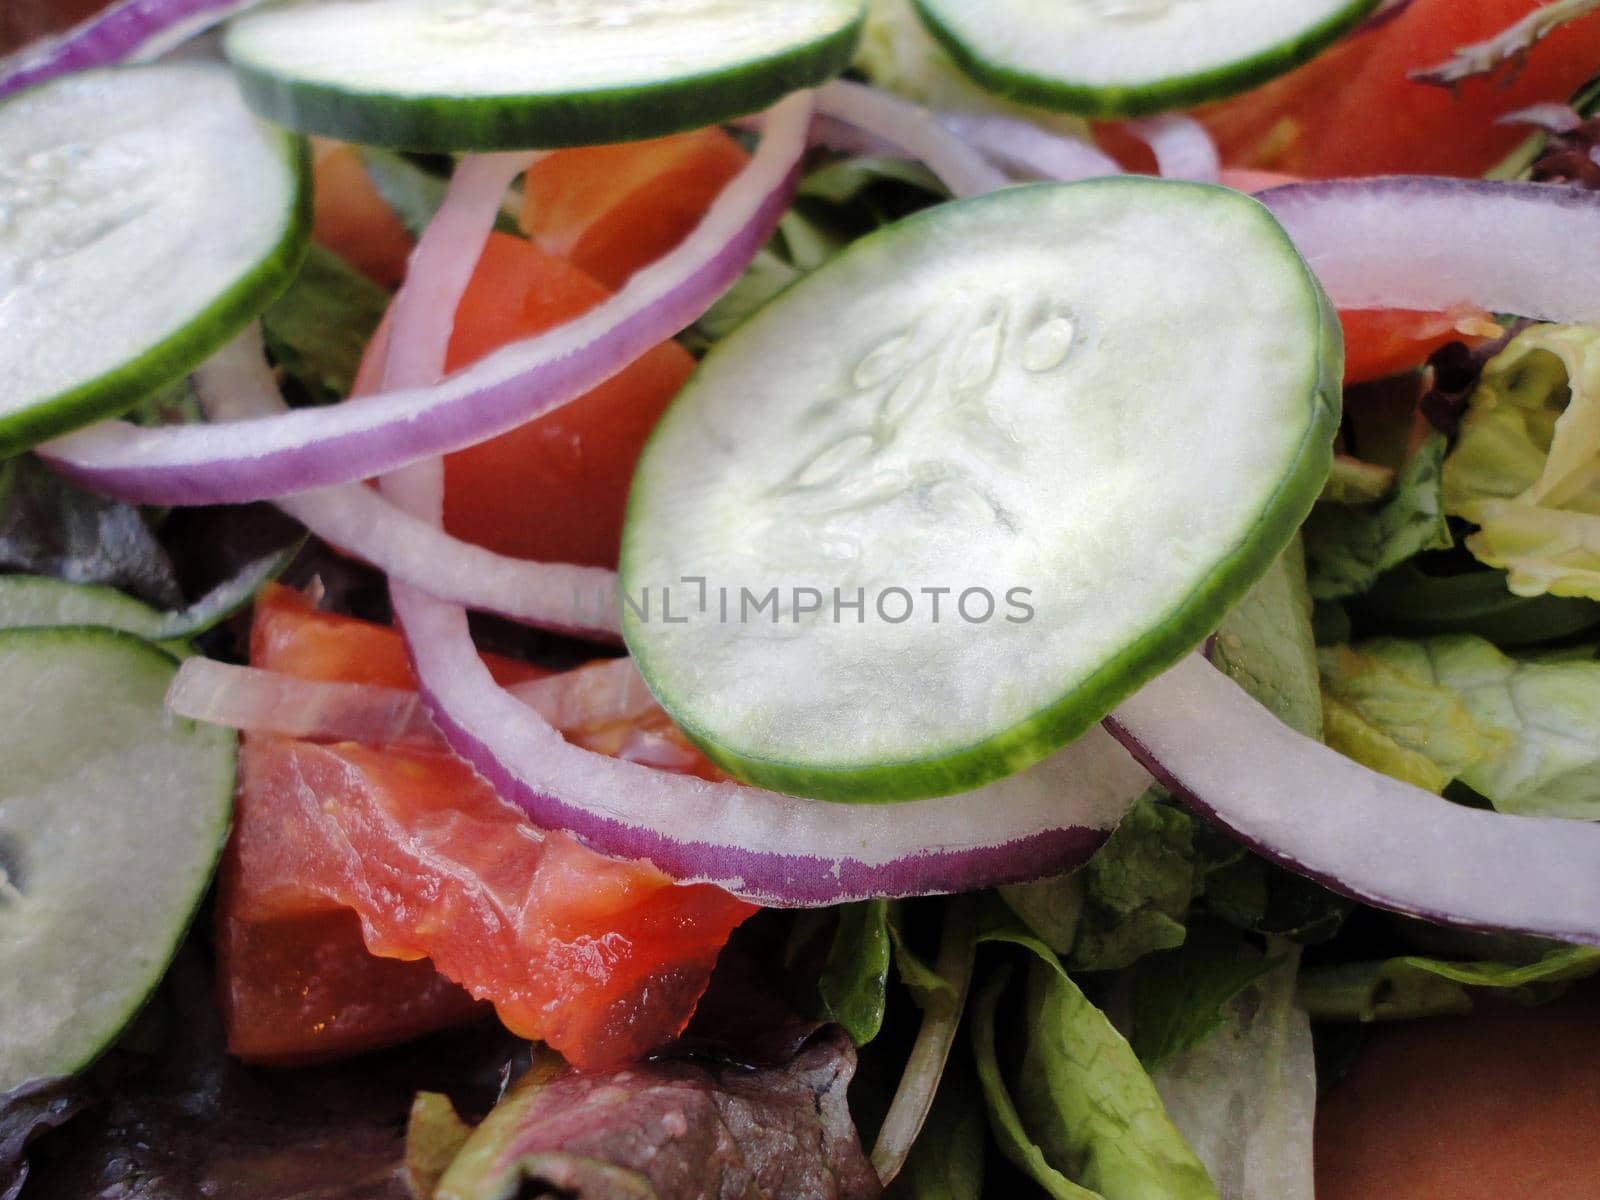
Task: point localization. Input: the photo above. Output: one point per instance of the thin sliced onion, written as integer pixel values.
(1022, 146)
(1356, 832)
(280, 455)
(1555, 118)
(442, 263)
(237, 383)
(259, 701)
(766, 847)
(915, 130)
(1183, 148)
(1427, 243)
(126, 31)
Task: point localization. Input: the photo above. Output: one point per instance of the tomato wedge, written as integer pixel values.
(349, 217)
(555, 489)
(601, 959)
(1354, 111)
(609, 210)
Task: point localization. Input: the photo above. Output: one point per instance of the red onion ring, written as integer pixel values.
(1427, 243)
(1183, 148)
(127, 31)
(1021, 145)
(258, 701)
(915, 130)
(768, 848)
(267, 457)
(1354, 831)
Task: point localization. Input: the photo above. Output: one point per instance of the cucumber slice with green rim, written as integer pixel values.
(112, 815)
(1125, 58)
(148, 216)
(1091, 413)
(523, 74)
(29, 601)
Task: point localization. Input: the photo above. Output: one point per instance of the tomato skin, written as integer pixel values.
(1353, 111)
(556, 488)
(602, 959)
(1500, 1104)
(1379, 342)
(350, 217)
(304, 988)
(609, 210)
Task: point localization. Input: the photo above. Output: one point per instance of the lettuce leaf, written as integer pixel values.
(1181, 997)
(1079, 1114)
(1415, 986)
(1526, 468)
(853, 986)
(1519, 732)
(1245, 1098)
(1398, 720)
(319, 328)
(1349, 546)
(1080, 1088)
(1137, 890)
(1266, 645)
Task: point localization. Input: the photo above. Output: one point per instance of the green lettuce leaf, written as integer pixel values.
(319, 328)
(1398, 720)
(1245, 1098)
(1266, 644)
(1414, 986)
(1519, 732)
(854, 983)
(1137, 890)
(1079, 1114)
(1349, 546)
(1526, 467)
(1181, 997)
(1005, 1122)
(1091, 1106)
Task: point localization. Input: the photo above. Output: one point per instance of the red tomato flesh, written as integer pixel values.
(555, 489)
(1353, 110)
(603, 960)
(609, 210)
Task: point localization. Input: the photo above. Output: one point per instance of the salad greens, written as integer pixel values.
(1140, 1027)
(1523, 467)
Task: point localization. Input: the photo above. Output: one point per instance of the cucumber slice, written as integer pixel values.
(112, 815)
(1105, 407)
(1124, 58)
(520, 74)
(28, 601)
(145, 218)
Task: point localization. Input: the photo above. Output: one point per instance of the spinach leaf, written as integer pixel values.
(1181, 996)
(854, 984)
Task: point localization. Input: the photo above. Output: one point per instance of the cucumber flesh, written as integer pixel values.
(1118, 396)
(520, 74)
(145, 217)
(28, 601)
(39, 600)
(112, 815)
(1121, 58)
